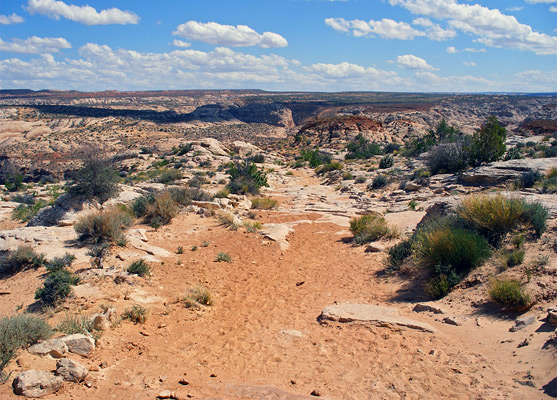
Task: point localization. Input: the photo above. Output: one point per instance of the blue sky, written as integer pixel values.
(317, 45)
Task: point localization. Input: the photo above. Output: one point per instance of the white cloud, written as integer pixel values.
(541, 1)
(347, 70)
(514, 8)
(410, 61)
(434, 31)
(83, 14)
(452, 50)
(35, 45)
(469, 63)
(492, 27)
(385, 28)
(180, 43)
(553, 9)
(228, 35)
(10, 19)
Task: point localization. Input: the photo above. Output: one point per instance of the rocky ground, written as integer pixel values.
(299, 311)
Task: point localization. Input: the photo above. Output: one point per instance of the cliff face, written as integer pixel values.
(342, 129)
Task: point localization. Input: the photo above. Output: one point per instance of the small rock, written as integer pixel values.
(71, 370)
(162, 378)
(166, 394)
(375, 248)
(300, 283)
(101, 322)
(103, 365)
(56, 348)
(452, 321)
(213, 375)
(94, 368)
(79, 344)
(34, 383)
(552, 316)
(183, 381)
(316, 393)
(524, 343)
(522, 322)
(89, 383)
(421, 307)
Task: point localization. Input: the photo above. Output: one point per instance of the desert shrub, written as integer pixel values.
(139, 267)
(361, 148)
(488, 143)
(252, 227)
(386, 162)
(222, 194)
(315, 158)
(438, 286)
(56, 287)
(536, 215)
(447, 158)
(20, 331)
(223, 257)
(10, 175)
(347, 176)
(228, 220)
(139, 206)
(370, 227)
(60, 263)
(137, 314)
(549, 182)
(180, 250)
(492, 216)
(515, 257)
(332, 166)
(257, 158)
(25, 212)
(508, 292)
(98, 253)
(169, 176)
(184, 149)
(24, 257)
(420, 175)
(263, 203)
(97, 179)
(196, 296)
(103, 226)
(185, 196)
(379, 181)
(360, 179)
(448, 246)
(390, 148)
(529, 178)
(246, 178)
(72, 324)
(161, 210)
(513, 153)
(399, 253)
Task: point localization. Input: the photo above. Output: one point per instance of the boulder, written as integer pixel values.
(522, 322)
(375, 248)
(79, 344)
(245, 149)
(501, 171)
(101, 322)
(374, 315)
(411, 186)
(552, 316)
(71, 370)
(212, 145)
(425, 307)
(35, 383)
(55, 347)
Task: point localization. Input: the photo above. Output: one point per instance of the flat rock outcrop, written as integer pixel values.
(501, 171)
(374, 315)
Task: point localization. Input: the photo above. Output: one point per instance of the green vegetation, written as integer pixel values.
(361, 148)
(246, 178)
(316, 158)
(510, 293)
(370, 227)
(197, 296)
(136, 314)
(103, 227)
(447, 158)
(168, 176)
(24, 257)
(223, 257)
(398, 253)
(60, 263)
(488, 143)
(263, 203)
(332, 166)
(72, 324)
(513, 258)
(386, 162)
(18, 332)
(56, 287)
(378, 182)
(25, 212)
(161, 210)
(139, 267)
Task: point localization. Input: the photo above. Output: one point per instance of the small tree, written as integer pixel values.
(97, 179)
(488, 143)
(246, 178)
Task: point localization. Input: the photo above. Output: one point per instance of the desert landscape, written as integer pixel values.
(223, 244)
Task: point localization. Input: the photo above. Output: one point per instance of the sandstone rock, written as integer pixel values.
(245, 149)
(375, 248)
(552, 316)
(71, 370)
(421, 307)
(501, 171)
(34, 383)
(166, 394)
(212, 145)
(56, 348)
(209, 205)
(101, 322)
(375, 315)
(453, 321)
(522, 322)
(152, 250)
(411, 186)
(79, 344)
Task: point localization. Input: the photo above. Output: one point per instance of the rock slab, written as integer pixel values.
(55, 347)
(80, 344)
(35, 383)
(71, 370)
(375, 315)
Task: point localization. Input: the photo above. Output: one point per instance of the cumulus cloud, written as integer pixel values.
(492, 27)
(228, 35)
(83, 14)
(453, 50)
(385, 28)
(409, 61)
(553, 9)
(10, 19)
(434, 31)
(180, 43)
(35, 45)
(469, 63)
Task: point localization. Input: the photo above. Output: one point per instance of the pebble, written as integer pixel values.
(316, 393)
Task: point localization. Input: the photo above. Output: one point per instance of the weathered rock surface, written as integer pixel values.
(501, 171)
(552, 316)
(54, 347)
(71, 370)
(522, 322)
(426, 307)
(375, 315)
(79, 344)
(34, 383)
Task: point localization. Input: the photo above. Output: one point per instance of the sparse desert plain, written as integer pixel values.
(259, 245)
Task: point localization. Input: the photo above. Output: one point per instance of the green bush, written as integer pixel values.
(370, 227)
(488, 143)
(361, 148)
(196, 296)
(25, 212)
(185, 196)
(438, 286)
(536, 215)
(332, 166)
(246, 178)
(223, 257)
(103, 226)
(379, 181)
(161, 210)
(257, 158)
(60, 263)
(56, 287)
(513, 153)
(447, 158)
(315, 158)
(137, 314)
(515, 257)
(139, 267)
(386, 162)
(97, 179)
(399, 253)
(169, 176)
(508, 292)
(24, 257)
(72, 324)
(263, 203)
(20, 331)
(139, 206)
